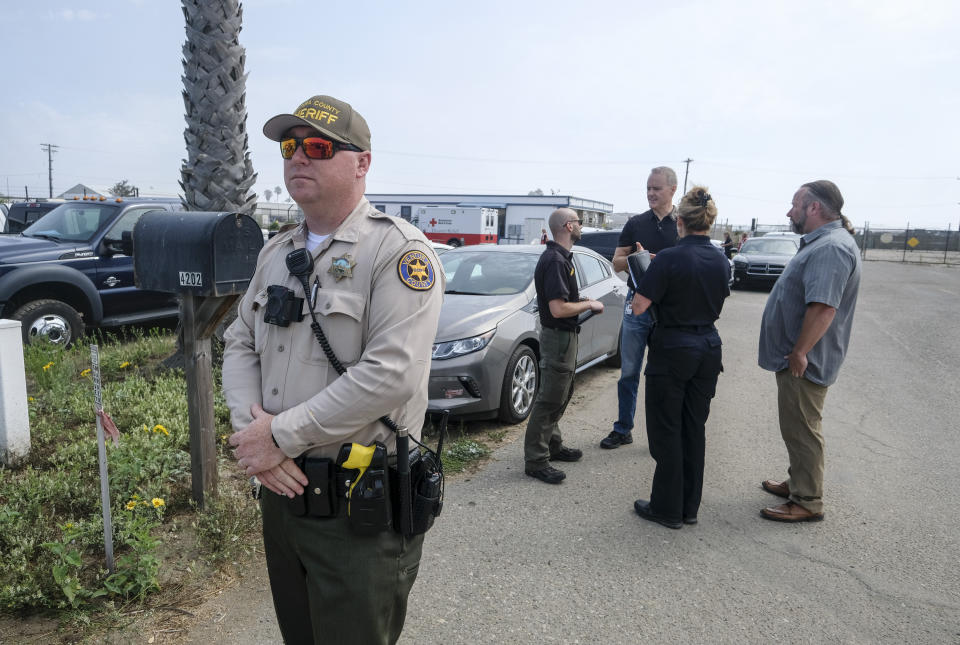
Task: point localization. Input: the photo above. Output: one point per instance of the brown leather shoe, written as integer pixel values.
(790, 512)
(779, 489)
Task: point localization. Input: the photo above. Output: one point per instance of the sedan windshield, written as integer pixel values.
(763, 246)
(73, 222)
(488, 273)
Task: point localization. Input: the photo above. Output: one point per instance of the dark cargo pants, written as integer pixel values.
(558, 364)
(331, 585)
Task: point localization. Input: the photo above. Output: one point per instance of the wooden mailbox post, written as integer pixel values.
(208, 259)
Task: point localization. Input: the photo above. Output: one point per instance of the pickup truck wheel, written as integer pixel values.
(49, 321)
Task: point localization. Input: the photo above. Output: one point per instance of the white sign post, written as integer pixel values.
(14, 414)
(102, 457)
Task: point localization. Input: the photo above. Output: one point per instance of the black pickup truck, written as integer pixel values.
(68, 271)
(20, 215)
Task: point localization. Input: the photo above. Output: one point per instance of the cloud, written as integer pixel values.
(80, 15)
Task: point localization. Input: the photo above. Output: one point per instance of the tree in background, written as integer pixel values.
(218, 173)
(124, 188)
(276, 192)
(536, 192)
(267, 194)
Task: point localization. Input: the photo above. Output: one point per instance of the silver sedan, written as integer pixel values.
(487, 348)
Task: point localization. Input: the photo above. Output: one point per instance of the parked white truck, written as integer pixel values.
(457, 226)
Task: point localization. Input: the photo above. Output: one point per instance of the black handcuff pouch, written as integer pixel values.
(319, 498)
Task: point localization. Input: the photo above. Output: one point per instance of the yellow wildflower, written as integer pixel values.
(135, 496)
(145, 428)
(157, 502)
(68, 525)
(30, 399)
(160, 428)
(48, 366)
(85, 372)
(131, 505)
(124, 364)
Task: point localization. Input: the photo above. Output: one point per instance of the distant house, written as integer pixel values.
(85, 190)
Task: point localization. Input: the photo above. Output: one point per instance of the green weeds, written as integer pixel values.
(462, 453)
(51, 526)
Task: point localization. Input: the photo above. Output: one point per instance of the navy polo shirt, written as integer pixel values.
(555, 277)
(654, 234)
(688, 282)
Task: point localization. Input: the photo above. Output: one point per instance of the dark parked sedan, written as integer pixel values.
(603, 242)
(761, 260)
(487, 348)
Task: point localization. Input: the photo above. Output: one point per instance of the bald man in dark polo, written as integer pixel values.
(558, 299)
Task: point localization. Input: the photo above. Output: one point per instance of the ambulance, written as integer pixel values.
(457, 226)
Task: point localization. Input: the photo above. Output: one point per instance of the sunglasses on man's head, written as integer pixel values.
(313, 147)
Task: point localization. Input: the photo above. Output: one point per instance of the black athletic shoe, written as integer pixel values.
(567, 454)
(616, 439)
(547, 474)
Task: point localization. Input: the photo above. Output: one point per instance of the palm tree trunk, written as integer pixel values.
(218, 173)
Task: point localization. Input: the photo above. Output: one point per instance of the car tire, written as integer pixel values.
(614, 361)
(455, 242)
(49, 320)
(521, 382)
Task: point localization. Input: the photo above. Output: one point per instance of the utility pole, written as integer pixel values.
(50, 149)
(687, 172)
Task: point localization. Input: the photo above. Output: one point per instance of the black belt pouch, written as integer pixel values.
(321, 493)
(319, 498)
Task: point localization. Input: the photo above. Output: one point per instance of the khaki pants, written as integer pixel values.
(558, 364)
(801, 410)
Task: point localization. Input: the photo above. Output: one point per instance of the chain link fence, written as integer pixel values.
(919, 245)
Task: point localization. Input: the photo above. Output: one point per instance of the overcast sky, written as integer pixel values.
(504, 97)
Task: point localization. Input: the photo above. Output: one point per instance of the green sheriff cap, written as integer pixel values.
(329, 116)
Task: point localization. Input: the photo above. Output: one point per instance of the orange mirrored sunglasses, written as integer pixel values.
(313, 147)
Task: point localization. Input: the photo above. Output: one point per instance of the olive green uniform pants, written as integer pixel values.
(800, 404)
(331, 585)
(558, 365)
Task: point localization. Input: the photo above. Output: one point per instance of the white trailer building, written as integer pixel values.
(521, 217)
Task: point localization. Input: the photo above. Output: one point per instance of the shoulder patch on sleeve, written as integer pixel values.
(416, 270)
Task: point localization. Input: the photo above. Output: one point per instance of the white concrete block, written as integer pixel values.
(14, 416)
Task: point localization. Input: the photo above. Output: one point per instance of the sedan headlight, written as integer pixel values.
(740, 260)
(454, 348)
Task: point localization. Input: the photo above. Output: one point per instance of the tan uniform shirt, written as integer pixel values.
(381, 329)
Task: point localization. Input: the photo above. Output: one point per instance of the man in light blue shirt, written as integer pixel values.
(804, 337)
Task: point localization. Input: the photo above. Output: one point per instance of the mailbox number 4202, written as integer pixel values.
(191, 279)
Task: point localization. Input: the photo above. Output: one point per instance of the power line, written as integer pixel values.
(821, 172)
(583, 162)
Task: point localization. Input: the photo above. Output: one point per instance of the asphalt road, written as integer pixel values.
(515, 560)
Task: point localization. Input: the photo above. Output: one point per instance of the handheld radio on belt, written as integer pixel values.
(420, 483)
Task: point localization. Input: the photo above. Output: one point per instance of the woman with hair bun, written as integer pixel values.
(686, 286)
